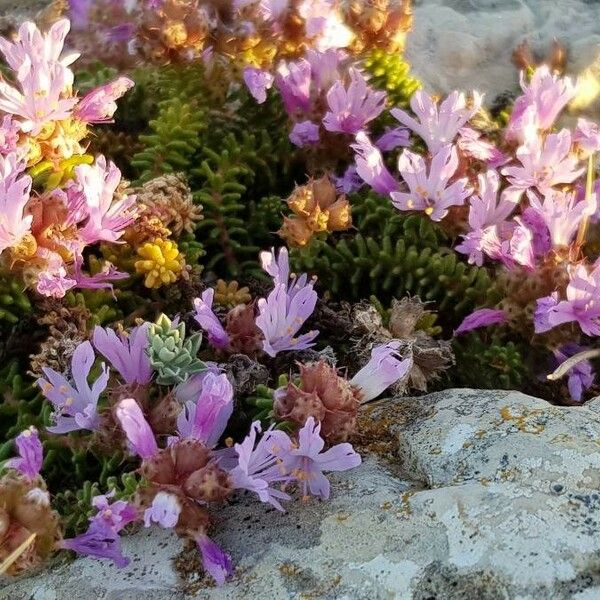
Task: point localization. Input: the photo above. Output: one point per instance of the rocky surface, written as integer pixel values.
(488, 495)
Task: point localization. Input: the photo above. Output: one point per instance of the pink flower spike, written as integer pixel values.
(165, 511)
(216, 562)
(206, 318)
(258, 82)
(29, 447)
(484, 317)
(99, 105)
(385, 367)
(139, 434)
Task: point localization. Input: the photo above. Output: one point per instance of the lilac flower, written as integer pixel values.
(517, 245)
(486, 214)
(306, 463)
(165, 511)
(587, 136)
(126, 353)
(15, 188)
(190, 389)
(31, 454)
(100, 104)
(100, 541)
(305, 133)
(483, 317)
(324, 24)
(107, 218)
(393, 138)
(280, 317)
(349, 182)
(206, 318)
(385, 367)
(79, 11)
(544, 164)
(582, 304)
(206, 418)
(438, 125)
(103, 280)
(216, 562)
(430, 192)
(325, 67)
(258, 82)
(116, 515)
(539, 106)
(54, 283)
(258, 465)
(293, 82)
(139, 434)
(278, 267)
(581, 376)
(9, 135)
(370, 166)
(350, 110)
(561, 213)
(75, 405)
(472, 144)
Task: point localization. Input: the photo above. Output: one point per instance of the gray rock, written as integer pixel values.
(491, 495)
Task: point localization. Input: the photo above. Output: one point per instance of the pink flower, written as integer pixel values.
(484, 317)
(544, 164)
(370, 166)
(165, 511)
(581, 376)
(430, 192)
(100, 104)
(31, 455)
(293, 82)
(9, 135)
(206, 318)
(351, 109)
(305, 133)
(216, 562)
(438, 125)
(15, 188)
(517, 245)
(384, 368)
(473, 145)
(258, 82)
(107, 218)
(587, 136)
(139, 434)
(54, 283)
(324, 24)
(116, 515)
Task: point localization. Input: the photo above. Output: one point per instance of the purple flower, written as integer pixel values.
(9, 135)
(306, 463)
(587, 136)
(103, 280)
(472, 144)
(582, 304)
(305, 133)
(258, 465)
(100, 541)
(75, 406)
(100, 104)
(165, 511)
(54, 283)
(79, 11)
(517, 245)
(430, 192)
(561, 213)
(258, 82)
(350, 110)
(31, 454)
(206, 418)
(438, 126)
(324, 66)
(139, 434)
(215, 561)
(393, 138)
(539, 106)
(126, 353)
(278, 267)
(206, 318)
(385, 367)
(293, 82)
(581, 376)
(349, 182)
(483, 317)
(115, 515)
(544, 164)
(370, 166)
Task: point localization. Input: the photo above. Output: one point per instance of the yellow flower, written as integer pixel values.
(161, 262)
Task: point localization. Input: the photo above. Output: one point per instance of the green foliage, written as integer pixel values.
(391, 73)
(14, 302)
(392, 255)
(489, 363)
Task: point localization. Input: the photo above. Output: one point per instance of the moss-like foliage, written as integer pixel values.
(14, 301)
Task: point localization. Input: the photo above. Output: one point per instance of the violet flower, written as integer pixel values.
(324, 66)
(164, 511)
(31, 454)
(544, 164)
(581, 376)
(306, 462)
(116, 515)
(216, 562)
(305, 133)
(587, 136)
(393, 138)
(349, 182)
(138, 432)
(126, 353)
(385, 367)
(517, 246)
(258, 82)
(430, 191)
(206, 318)
(9, 135)
(75, 405)
(258, 465)
(206, 418)
(99, 541)
(350, 110)
(438, 125)
(472, 144)
(293, 82)
(371, 168)
(483, 317)
(99, 105)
